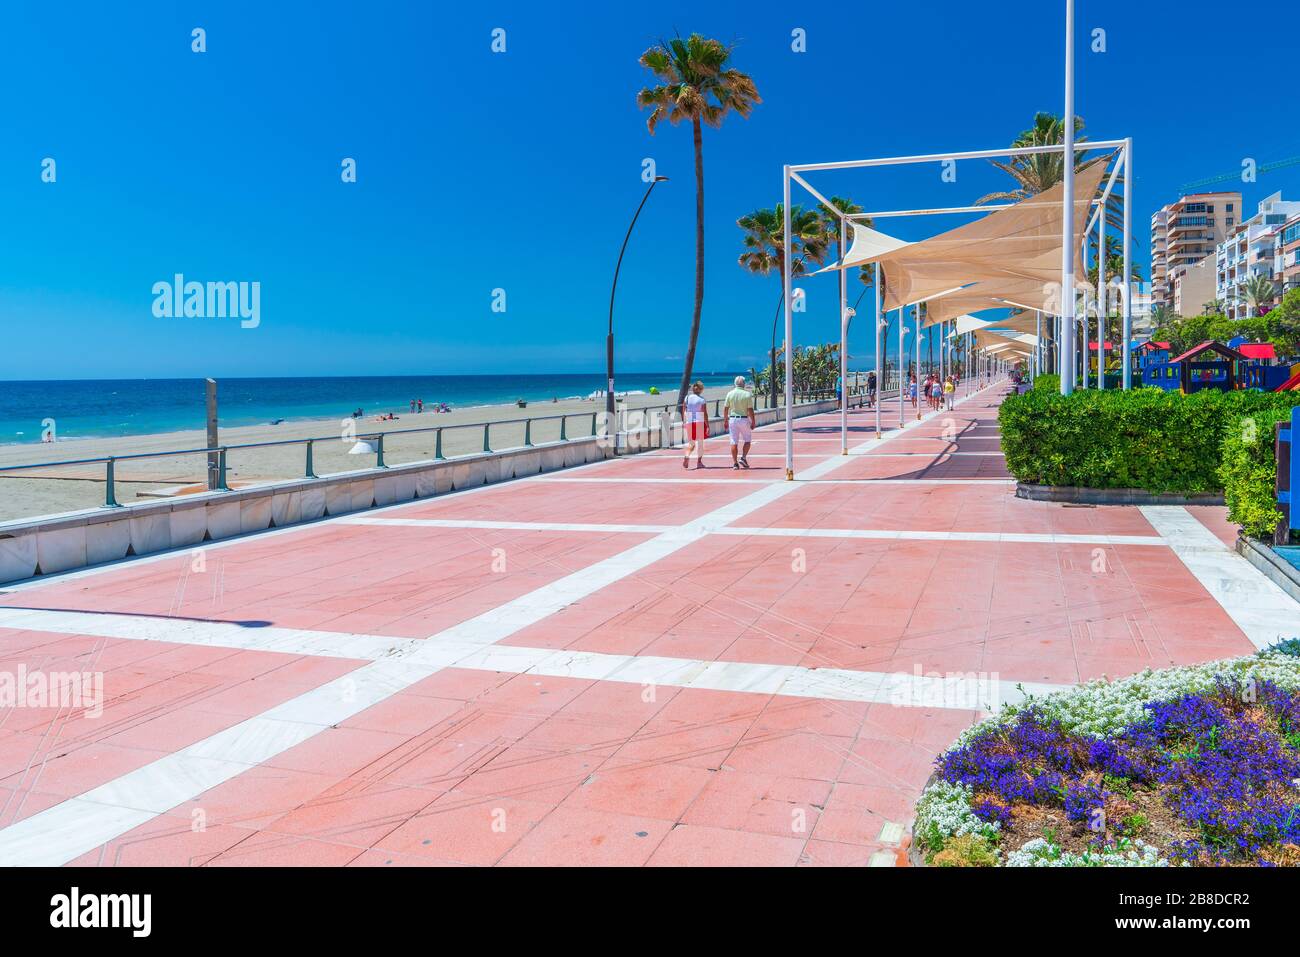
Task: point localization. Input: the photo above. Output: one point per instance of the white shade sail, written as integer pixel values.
(1021, 242)
(868, 244)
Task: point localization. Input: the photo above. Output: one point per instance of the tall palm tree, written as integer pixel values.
(1038, 172)
(695, 84)
(1259, 292)
(765, 253)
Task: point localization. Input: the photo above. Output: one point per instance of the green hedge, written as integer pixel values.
(1160, 441)
(1047, 382)
(1248, 472)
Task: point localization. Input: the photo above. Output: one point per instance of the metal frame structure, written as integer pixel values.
(1066, 350)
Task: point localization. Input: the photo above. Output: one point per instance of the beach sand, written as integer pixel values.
(51, 491)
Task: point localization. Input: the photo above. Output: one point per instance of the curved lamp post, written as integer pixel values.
(609, 338)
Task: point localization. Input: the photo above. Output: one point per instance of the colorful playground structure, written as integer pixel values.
(1214, 365)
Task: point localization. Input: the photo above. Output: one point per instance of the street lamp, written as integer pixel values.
(609, 338)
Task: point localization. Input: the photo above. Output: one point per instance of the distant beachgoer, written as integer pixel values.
(871, 388)
(911, 389)
(419, 405)
(695, 418)
(412, 406)
(739, 404)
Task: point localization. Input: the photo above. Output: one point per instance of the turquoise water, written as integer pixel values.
(111, 407)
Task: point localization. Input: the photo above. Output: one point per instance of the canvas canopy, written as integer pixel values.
(867, 245)
(1021, 242)
(966, 324)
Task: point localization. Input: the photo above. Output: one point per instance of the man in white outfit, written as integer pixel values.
(739, 404)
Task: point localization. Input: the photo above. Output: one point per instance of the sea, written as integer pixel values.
(88, 408)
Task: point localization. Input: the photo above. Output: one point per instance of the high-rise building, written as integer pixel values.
(1291, 254)
(1184, 233)
(1256, 247)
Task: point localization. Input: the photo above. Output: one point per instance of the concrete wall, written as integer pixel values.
(56, 543)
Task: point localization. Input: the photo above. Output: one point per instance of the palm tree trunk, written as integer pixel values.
(699, 259)
(771, 399)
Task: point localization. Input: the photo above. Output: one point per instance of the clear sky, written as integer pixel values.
(519, 171)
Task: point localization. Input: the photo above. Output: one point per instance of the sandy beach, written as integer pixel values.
(54, 490)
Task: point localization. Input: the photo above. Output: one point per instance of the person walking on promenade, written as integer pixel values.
(739, 404)
(949, 391)
(911, 389)
(871, 389)
(695, 419)
(936, 393)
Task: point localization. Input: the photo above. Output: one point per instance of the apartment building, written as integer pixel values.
(1186, 232)
(1256, 247)
(1193, 286)
(1291, 254)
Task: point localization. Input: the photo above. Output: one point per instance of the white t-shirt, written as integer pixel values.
(695, 407)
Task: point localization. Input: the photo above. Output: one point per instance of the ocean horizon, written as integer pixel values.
(97, 408)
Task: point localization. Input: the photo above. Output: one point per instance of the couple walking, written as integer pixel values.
(739, 409)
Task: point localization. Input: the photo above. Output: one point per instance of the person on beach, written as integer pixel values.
(695, 418)
(419, 405)
(739, 404)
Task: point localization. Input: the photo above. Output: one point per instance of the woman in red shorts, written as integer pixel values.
(695, 417)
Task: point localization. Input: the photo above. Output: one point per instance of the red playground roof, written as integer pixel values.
(1257, 350)
(1210, 346)
(1154, 345)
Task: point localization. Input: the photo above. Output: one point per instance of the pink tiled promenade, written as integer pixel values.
(626, 663)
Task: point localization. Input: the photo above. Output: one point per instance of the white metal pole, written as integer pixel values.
(1038, 349)
(880, 342)
(1067, 194)
(902, 356)
(844, 347)
(917, 307)
(1126, 324)
(1101, 300)
(789, 332)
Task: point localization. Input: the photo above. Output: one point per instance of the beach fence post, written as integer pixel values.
(310, 473)
(437, 446)
(221, 471)
(563, 436)
(528, 433)
(593, 423)
(379, 453)
(487, 432)
(210, 386)
(110, 499)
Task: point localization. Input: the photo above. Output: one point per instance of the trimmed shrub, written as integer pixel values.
(1047, 382)
(1146, 438)
(1248, 471)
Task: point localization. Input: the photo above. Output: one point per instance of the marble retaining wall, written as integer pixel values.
(56, 543)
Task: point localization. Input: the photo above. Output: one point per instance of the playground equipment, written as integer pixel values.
(1188, 376)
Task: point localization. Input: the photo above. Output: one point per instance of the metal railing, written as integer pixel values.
(219, 470)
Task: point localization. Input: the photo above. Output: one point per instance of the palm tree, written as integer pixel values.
(696, 85)
(1038, 172)
(765, 252)
(1258, 291)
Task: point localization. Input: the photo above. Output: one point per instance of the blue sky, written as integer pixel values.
(519, 171)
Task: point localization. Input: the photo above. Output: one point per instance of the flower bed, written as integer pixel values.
(1197, 765)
